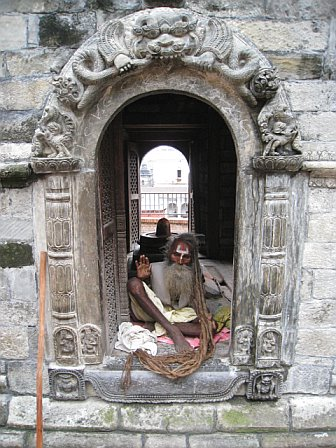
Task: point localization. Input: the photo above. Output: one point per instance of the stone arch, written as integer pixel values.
(148, 52)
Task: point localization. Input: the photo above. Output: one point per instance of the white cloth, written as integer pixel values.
(133, 337)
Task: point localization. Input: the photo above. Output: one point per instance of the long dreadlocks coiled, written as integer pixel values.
(179, 365)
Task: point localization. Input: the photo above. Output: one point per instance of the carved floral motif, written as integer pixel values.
(67, 89)
(265, 83)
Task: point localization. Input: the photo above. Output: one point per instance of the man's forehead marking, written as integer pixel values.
(182, 248)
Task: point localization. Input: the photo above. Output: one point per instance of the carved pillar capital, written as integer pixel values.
(53, 165)
(269, 164)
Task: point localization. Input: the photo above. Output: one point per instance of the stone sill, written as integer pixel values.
(323, 168)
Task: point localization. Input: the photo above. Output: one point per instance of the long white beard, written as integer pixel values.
(179, 282)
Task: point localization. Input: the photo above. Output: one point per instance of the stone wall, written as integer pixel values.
(299, 37)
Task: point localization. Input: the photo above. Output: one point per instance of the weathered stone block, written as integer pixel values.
(243, 8)
(3, 384)
(15, 175)
(318, 314)
(317, 126)
(320, 342)
(15, 313)
(33, 93)
(324, 284)
(28, 6)
(25, 384)
(15, 255)
(308, 440)
(306, 288)
(93, 414)
(172, 418)
(224, 441)
(4, 285)
(33, 30)
(311, 413)
(297, 66)
(307, 379)
(35, 61)
(285, 36)
(16, 203)
(87, 440)
(241, 415)
(14, 343)
(290, 9)
(12, 439)
(17, 127)
(66, 30)
(3, 409)
(15, 229)
(322, 227)
(322, 200)
(315, 96)
(10, 40)
(165, 441)
(319, 255)
(22, 284)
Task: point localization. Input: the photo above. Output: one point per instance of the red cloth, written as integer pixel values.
(223, 335)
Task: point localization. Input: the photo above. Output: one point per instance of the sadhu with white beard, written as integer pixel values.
(169, 301)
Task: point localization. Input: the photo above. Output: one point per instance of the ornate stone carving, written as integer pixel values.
(265, 83)
(268, 349)
(66, 346)
(265, 385)
(54, 135)
(322, 182)
(166, 34)
(277, 163)
(90, 344)
(43, 165)
(67, 90)
(66, 384)
(280, 134)
(244, 344)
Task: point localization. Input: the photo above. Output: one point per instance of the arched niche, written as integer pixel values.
(120, 64)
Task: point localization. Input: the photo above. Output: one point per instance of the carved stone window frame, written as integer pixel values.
(88, 95)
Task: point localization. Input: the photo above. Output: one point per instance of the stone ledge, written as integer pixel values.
(323, 168)
(313, 413)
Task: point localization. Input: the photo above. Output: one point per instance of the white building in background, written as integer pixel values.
(164, 175)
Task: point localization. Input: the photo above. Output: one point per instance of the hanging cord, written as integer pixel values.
(179, 365)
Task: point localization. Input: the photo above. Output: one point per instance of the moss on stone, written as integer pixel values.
(236, 418)
(16, 255)
(55, 32)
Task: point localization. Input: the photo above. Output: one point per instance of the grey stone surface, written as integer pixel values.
(25, 384)
(240, 415)
(320, 96)
(92, 413)
(224, 441)
(3, 384)
(18, 126)
(17, 203)
(327, 222)
(10, 40)
(308, 379)
(33, 92)
(14, 343)
(87, 440)
(22, 6)
(4, 399)
(293, 9)
(319, 255)
(317, 126)
(317, 341)
(313, 412)
(16, 313)
(318, 314)
(293, 66)
(308, 440)
(165, 441)
(176, 418)
(12, 439)
(322, 199)
(22, 284)
(324, 284)
(15, 229)
(285, 35)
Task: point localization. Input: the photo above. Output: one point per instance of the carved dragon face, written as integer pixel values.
(164, 36)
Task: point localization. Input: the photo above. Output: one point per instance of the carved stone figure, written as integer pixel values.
(54, 135)
(90, 340)
(279, 132)
(164, 34)
(265, 386)
(66, 384)
(243, 344)
(65, 342)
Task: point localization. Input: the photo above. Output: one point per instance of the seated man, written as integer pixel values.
(170, 301)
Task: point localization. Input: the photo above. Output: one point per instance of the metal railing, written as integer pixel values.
(168, 205)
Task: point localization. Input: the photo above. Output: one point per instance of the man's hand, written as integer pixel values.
(143, 268)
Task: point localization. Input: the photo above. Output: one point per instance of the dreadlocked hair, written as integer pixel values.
(179, 365)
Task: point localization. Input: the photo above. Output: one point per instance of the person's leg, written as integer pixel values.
(136, 289)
